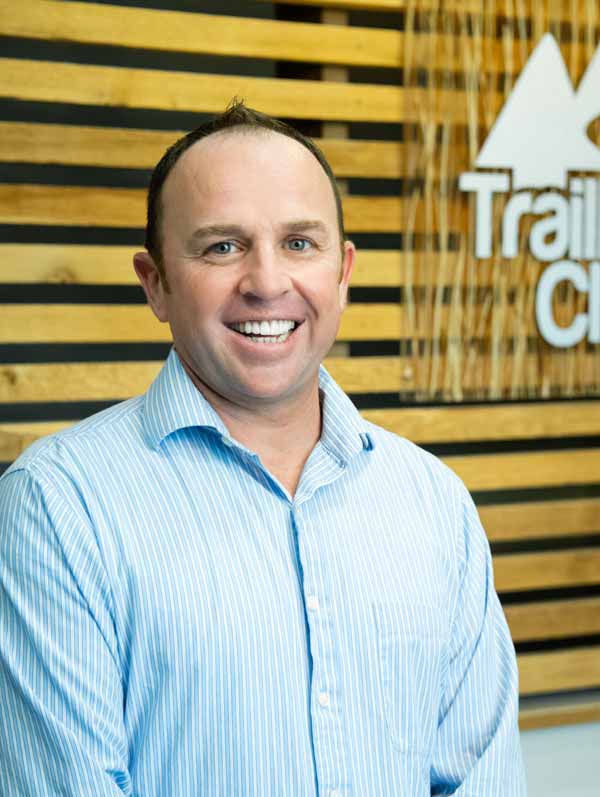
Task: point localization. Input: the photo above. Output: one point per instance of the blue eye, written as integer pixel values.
(299, 244)
(222, 248)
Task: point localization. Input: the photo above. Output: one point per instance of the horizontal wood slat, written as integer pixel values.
(55, 81)
(69, 264)
(118, 380)
(525, 571)
(126, 207)
(577, 668)
(537, 469)
(100, 323)
(553, 619)
(77, 145)
(178, 31)
(539, 519)
(489, 422)
(565, 713)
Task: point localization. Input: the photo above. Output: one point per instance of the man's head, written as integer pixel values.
(253, 269)
(237, 117)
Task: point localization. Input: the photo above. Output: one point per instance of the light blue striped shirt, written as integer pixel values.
(174, 624)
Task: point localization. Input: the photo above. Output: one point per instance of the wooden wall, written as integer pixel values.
(435, 345)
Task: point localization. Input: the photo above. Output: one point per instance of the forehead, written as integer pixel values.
(258, 165)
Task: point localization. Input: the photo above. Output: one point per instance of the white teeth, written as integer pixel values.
(267, 331)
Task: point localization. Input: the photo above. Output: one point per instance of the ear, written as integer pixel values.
(152, 283)
(346, 272)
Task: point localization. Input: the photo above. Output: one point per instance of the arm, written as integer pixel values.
(478, 749)
(61, 693)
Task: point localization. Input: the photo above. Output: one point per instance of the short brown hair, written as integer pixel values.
(240, 115)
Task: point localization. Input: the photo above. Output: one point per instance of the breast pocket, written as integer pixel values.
(411, 642)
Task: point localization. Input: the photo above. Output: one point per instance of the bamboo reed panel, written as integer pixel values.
(446, 324)
(559, 10)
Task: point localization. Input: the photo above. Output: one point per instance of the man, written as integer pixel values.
(233, 585)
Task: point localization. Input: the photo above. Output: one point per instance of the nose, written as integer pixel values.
(266, 276)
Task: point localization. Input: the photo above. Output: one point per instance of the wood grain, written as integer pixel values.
(531, 469)
(539, 519)
(105, 323)
(489, 422)
(578, 668)
(553, 619)
(548, 569)
(115, 147)
(53, 81)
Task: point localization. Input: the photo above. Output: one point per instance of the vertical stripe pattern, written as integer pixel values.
(174, 624)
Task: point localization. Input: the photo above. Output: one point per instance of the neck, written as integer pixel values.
(283, 434)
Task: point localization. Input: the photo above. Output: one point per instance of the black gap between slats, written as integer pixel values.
(134, 58)
(82, 352)
(556, 644)
(50, 293)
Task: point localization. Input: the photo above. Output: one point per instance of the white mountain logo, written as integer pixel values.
(540, 137)
(541, 131)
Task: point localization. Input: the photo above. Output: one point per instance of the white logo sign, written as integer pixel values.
(541, 136)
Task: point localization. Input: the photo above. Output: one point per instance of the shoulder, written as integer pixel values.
(112, 428)
(410, 458)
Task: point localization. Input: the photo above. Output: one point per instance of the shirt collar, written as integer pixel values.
(173, 402)
(345, 433)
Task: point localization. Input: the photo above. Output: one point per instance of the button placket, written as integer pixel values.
(325, 712)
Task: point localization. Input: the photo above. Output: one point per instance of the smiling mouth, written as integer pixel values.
(276, 331)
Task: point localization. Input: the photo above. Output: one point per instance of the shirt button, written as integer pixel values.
(312, 603)
(334, 793)
(323, 699)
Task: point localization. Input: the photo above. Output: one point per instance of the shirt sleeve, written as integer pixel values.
(478, 748)
(61, 690)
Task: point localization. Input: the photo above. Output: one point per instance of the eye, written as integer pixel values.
(222, 248)
(299, 244)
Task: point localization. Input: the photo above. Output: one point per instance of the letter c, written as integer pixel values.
(561, 337)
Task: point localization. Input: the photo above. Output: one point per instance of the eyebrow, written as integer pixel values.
(306, 225)
(212, 230)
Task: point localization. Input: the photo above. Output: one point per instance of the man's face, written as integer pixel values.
(257, 281)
